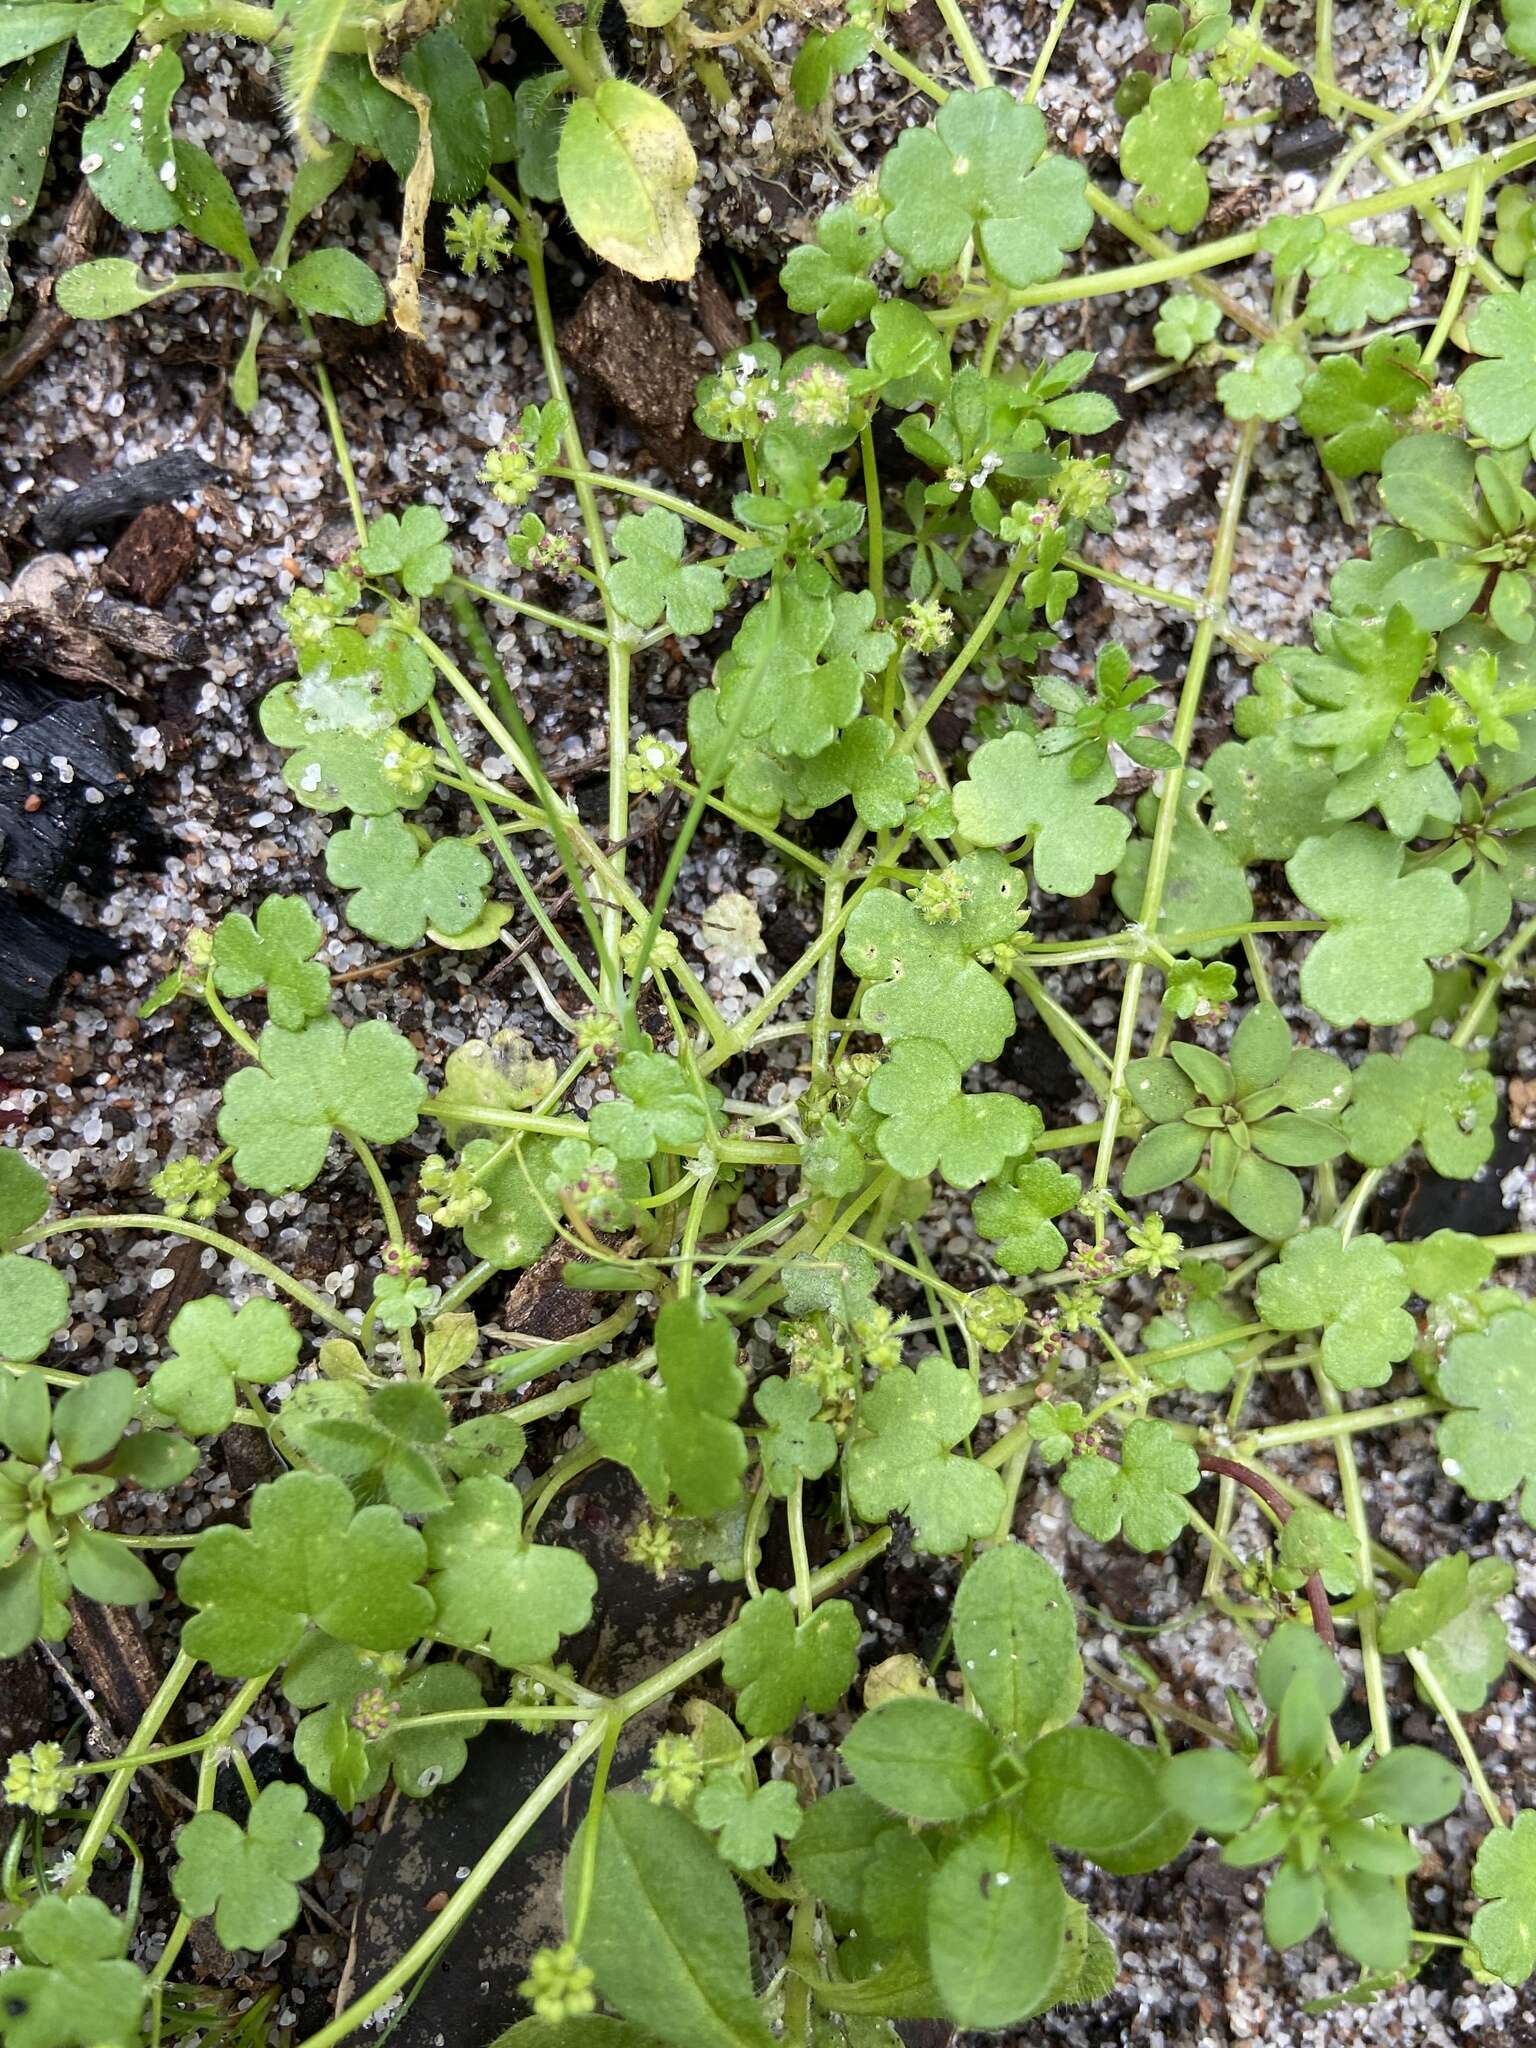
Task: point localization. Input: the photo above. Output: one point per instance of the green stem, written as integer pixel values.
(380, 1185)
(541, 20)
(200, 1234)
(557, 620)
(1360, 1529)
(1189, 263)
(332, 410)
(1429, 1680)
(1058, 25)
(965, 43)
(1348, 1422)
(982, 632)
(104, 1819)
(1161, 850)
(903, 67)
(685, 508)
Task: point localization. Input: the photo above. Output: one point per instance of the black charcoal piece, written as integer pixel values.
(109, 500)
(40, 945)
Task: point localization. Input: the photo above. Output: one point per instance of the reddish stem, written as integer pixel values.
(1317, 1598)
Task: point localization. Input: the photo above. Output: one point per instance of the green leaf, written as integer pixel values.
(1016, 788)
(823, 59)
(34, 1303)
(387, 1443)
(1504, 1930)
(1520, 26)
(126, 151)
(1433, 1094)
(665, 1932)
(794, 1444)
(1160, 152)
(796, 670)
(1015, 1637)
(864, 764)
(29, 102)
(1450, 1618)
(660, 1105)
(410, 545)
(996, 1920)
(928, 985)
(493, 1586)
(280, 1116)
(74, 1989)
(363, 1730)
(679, 1438)
(1294, 1655)
(831, 1855)
(1355, 283)
(1357, 409)
(1488, 1444)
(1103, 1798)
(924, 1758)
(1204, 888)
(25, 29)
(305, 1557)
(105, 31)
(338, 284)
(207, 206)
(778, 1667)
(649, 577)
(276, 954)
(406, 883)
(439, 66)
(840, 1284)
(904, 1462)
(981, 170)
(212, 1346)
(1354, 1292)
(245, 1877)
(929, 1123)
(751, 1824)
(1185, 323)
(24, 1196)
(1143, 1494)
(1016, 1215)
(625, 168)
(1384, 926)
(1213, 1789)
(1445, 1264)
(1208, 1372)
(1499, 393)
(1266, 385)
(1315, 1541)
(108, 287)
(1266, 795)
(830, 276)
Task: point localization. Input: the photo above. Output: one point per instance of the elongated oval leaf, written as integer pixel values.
(1016, 1639)
(666, 1933)
(625, 166)
(996, 1916)
(1090, 1791)
(924, 1758)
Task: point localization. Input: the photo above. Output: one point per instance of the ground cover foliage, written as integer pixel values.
(912, 509)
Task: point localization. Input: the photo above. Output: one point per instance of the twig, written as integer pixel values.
(50, 323)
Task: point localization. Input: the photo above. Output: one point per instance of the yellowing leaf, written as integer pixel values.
(625, 166)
